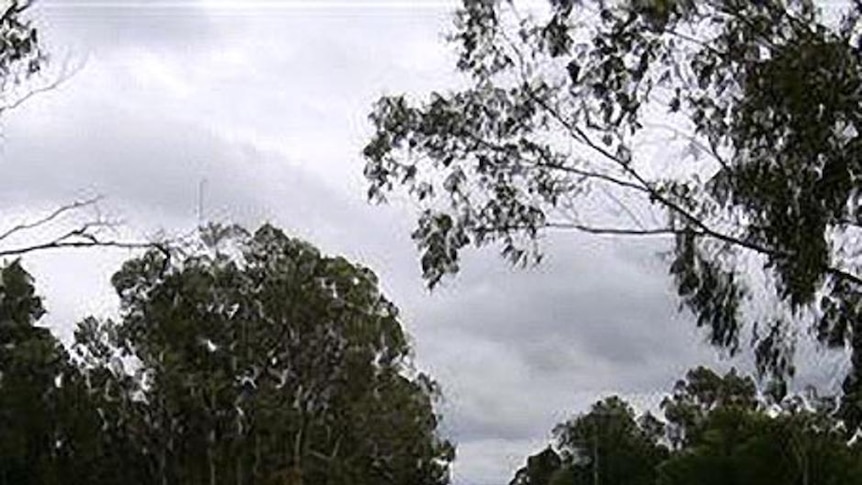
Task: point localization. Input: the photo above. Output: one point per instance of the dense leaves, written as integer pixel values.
(608, 442)
(252, 358)
(720, 431)
(737, 122)
(49, 426)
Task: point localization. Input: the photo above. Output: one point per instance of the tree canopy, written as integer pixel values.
(716, 430)
(729, 127)
(252, 358)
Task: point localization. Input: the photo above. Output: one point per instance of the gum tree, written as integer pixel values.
(729, 128)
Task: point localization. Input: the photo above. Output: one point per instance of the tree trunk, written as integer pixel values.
(211, 459)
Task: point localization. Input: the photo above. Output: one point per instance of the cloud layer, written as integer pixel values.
(258, 114)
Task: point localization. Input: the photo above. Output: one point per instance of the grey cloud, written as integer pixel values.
(270, 111)
(482, 460)
(572, 309)
(123, 23)
(155, 166)
(519, 351)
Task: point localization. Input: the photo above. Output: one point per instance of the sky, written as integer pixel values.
(256, 111)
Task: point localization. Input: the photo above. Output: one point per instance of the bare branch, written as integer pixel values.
(695, 223)
(64, 76)
(88, 242)
(86, 234)
(688, 38)
(711, 150)
(552, 165)
(50, 217)
(623, 207)
(14, 8)
(617, 231)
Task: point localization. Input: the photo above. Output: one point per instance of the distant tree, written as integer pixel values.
(738, 445)
(734, 126)
(695, 397)
(605, 446)
(540, 469)
(721, 432)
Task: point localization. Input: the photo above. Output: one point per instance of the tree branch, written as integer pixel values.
(63, 76)
(50, 217)
(711, 150)
(84, 235)
(89, 243)
(14, 8)
(550, 164)
(672, 206)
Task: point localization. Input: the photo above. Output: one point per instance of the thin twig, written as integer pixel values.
(89, 243)
(50, 217)
(62, 78)
(691, 219)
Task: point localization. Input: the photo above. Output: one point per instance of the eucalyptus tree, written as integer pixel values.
(607, 445)
(728, 127)
(715, 429)
(261, 360)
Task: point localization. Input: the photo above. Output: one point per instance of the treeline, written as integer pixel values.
(716, 430)
(255, 359)
(249, 358)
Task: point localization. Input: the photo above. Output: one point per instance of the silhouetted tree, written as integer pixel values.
(721, 431)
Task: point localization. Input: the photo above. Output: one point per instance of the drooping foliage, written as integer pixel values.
(734, 123)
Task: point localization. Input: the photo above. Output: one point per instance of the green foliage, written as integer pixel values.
(541, 469)
(701, 392)
(252, 358)
(262, 359)
(48, 425)
(754, 104)
(606, 445)
(739, 446)
(723, 432)
(720, 431)
(609, 443)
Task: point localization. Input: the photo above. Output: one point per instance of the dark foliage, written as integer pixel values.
(754, 106)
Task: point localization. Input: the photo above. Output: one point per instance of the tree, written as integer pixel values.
(246, 359)
(736, 444)
(540, 469)
(720, 431)
(759, 189)
(696, 396)
(260, 360)
(21, 55)
(49, 427)
(606, 446)
(29, 364)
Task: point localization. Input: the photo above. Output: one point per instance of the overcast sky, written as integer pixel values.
(263, 106)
